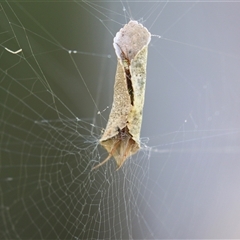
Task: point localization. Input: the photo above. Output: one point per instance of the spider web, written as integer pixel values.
(57, 73)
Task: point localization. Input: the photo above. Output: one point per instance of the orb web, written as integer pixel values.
(57, 76)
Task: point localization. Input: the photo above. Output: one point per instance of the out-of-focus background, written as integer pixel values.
(56, 95)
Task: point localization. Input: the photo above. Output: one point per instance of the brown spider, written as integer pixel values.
(122, 145)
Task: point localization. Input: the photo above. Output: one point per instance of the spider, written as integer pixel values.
(121, 147)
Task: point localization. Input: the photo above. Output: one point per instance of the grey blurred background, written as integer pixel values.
(187, 186)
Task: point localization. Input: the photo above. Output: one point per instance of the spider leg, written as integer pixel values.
(109, 155)
(126, 151)
(101, 163)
